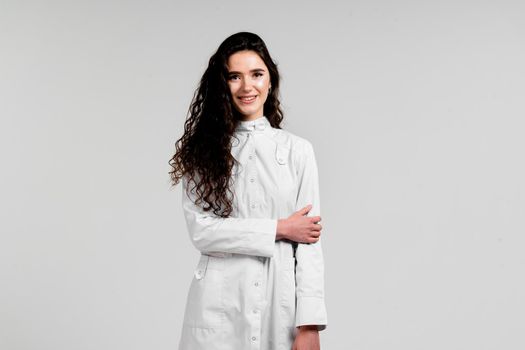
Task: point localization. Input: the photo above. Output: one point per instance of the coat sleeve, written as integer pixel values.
(211, 233)
(311, 309)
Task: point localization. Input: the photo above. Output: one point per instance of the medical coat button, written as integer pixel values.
(198, 274)
(256, 284)
(254, 338)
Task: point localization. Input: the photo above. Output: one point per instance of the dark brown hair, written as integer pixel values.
(203, 152)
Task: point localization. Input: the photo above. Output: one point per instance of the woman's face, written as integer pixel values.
(249, 81)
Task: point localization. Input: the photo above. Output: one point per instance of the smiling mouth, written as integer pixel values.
(248, 99)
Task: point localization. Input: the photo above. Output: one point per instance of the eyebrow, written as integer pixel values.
(252, 71)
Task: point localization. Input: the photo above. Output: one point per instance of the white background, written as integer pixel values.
(415, 110)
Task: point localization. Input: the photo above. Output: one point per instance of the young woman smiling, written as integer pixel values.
(251, 204)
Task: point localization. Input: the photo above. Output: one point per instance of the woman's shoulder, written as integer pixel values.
(291, 140)
(294, 147)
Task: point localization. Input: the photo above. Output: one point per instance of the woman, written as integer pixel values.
(251, 204)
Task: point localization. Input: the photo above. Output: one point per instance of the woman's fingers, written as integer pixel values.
(304, 210)
(308, 228)
(313, 239)
(315, 219)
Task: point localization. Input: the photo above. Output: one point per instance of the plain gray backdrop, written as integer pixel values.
(416, 113)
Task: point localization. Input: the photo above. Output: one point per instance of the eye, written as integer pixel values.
(258, 74)
(231, 77)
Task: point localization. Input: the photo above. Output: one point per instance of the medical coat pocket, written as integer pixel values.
(204, 307)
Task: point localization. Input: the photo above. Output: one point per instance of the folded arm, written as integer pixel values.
(211, 233)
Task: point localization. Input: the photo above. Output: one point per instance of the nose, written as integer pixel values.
(246, 85)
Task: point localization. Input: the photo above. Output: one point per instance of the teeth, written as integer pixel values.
(247, 98)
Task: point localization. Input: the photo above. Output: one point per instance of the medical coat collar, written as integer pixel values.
(260, 124)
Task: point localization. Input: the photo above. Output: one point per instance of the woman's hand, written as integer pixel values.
(307, 338)
(299, 228)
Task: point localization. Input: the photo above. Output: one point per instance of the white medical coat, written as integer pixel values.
(248, 291)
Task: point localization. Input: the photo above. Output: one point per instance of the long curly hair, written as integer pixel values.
(203, 152)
